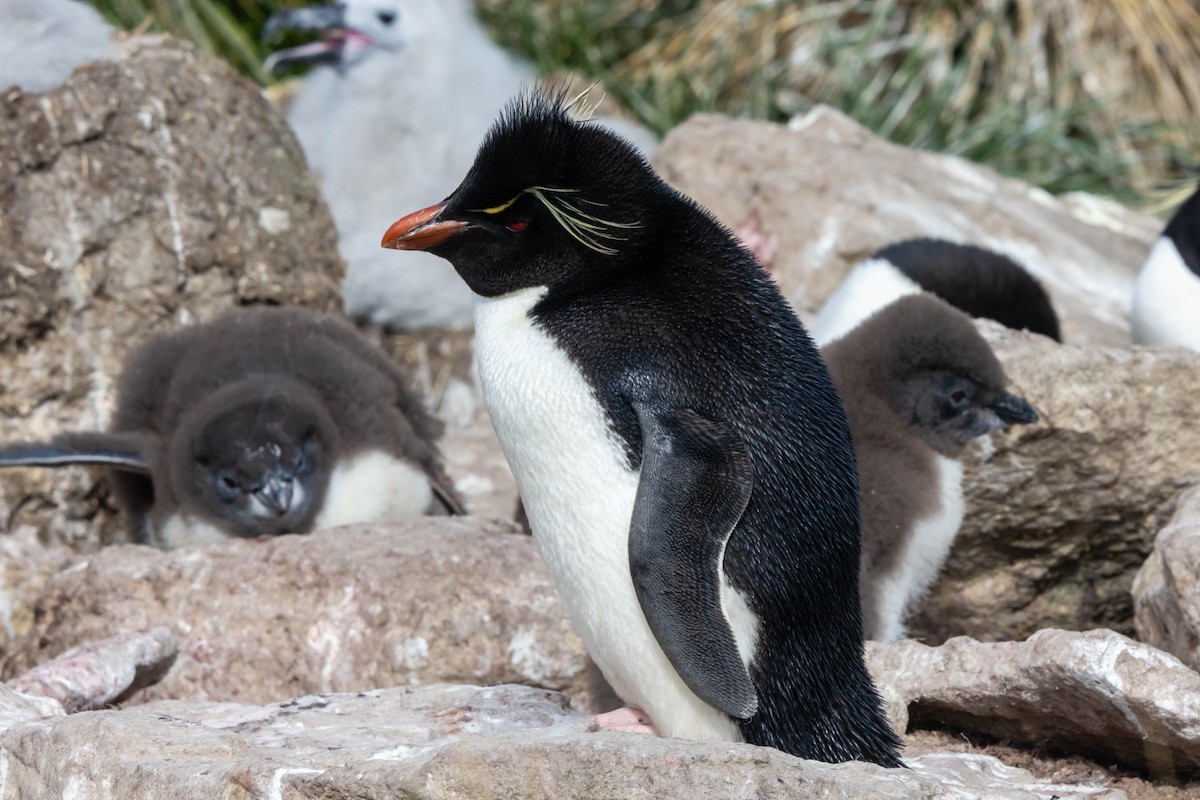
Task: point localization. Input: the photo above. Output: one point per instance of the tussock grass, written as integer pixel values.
(1096, 95)
(230, 29)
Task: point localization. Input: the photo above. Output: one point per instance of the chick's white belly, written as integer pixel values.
(579, 495)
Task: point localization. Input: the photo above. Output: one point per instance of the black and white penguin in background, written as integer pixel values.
(681, 451)
(919, 383)
(1166, 300)
(263, 421)
(976, 281)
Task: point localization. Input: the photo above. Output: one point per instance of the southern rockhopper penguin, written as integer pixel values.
(681, 451)
(1166, 300)
(976, 281)
(260, 422)
(919, 382)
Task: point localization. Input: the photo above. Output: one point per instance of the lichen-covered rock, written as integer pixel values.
(142, 193)
(1096, 694)
(432, 600)
(1061, 514)
(834, 193)
(1166, 591)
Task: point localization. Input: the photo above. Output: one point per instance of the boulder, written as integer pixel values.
(444, 741)
(143, 193)
(17, 707)
(834, 193)
(1097, 694)
(97, 674)
(1061, 514)
(433, 600)
(1166, 591)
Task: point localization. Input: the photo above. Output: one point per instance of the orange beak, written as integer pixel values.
(421, 230)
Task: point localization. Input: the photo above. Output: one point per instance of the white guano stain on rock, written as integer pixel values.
(274, 220)
(530, 659)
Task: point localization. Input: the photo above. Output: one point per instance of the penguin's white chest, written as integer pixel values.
(922, 554)
(1166, 300)
(579, 494)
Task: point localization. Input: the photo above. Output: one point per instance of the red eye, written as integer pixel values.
(518, 225)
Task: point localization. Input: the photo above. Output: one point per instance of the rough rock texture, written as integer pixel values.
(1061, 514)
(140, 194)
(443, 742)
(1097, 694)
(17, 707)
(98, 674)
(436, 599)
(834, 193)
(25, 567)
(1166, 591)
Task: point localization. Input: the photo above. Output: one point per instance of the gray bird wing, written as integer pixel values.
(696, 480)
(130, 452)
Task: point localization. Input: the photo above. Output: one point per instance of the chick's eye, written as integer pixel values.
(227, 487)
(386, 17)
(958, 397)
(518, 225)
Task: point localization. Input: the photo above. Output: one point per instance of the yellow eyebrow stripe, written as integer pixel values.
(501, 207)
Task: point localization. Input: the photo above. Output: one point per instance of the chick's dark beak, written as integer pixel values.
(276, 494)
(422, 229)
(1013, 410)
(326, 19)
(314, 18)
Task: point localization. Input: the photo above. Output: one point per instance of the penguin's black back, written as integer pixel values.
(1184, 231)
(977, 281)
(702, 328)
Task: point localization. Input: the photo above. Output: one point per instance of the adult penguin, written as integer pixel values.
(683, 456)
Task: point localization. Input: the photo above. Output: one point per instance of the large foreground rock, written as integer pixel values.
(443, 742)
(1060, 515)
(1166, 591)
(834, 193)
(143, 193)
(436, 599)
(1096, 694)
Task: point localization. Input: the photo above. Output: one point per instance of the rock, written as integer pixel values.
(834, 193)
(987, 776)
(143, 193)
(25, 567)
(98, 674)
(17, 707)
(349, 609)
(436, 742)
(1097, 694)
(1166, 593)
(1061, 514)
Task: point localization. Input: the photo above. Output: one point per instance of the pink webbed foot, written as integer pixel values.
(628, 719)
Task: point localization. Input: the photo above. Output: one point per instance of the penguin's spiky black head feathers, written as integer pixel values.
(255, 457)
(927, 362)
(550, 200)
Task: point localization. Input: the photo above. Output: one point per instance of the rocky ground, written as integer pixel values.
(432, 659)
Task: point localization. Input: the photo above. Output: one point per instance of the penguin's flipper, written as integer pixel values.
(695, 483)
(129, 452)
(447, 496)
